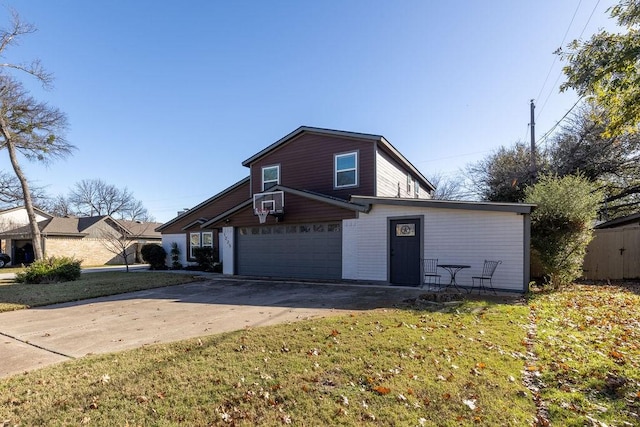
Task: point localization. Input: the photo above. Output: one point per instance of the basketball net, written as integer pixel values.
(262, 215)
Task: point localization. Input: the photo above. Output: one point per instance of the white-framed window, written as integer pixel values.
(346, 170)
(194, 242)
(207, 239)
(270, 177)
(200, 240)
(416, 189)
(409, 181)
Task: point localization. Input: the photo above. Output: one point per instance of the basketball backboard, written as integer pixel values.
(273, 201)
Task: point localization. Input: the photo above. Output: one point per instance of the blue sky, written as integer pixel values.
(168, 98)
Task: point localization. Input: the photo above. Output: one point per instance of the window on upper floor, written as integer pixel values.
(416, 189)
(409, 181)
(270, 177)
(346, 170)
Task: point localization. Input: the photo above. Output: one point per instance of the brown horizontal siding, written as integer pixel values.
(211, 210)
(298, 210)
(307, 163)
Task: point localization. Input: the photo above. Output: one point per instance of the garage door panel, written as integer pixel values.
(300, 251)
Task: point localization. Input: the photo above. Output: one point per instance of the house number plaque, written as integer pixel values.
(405, 230)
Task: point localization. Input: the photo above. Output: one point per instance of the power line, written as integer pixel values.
(546, 135)
(555, 57)
(555, 83)
(589, 20)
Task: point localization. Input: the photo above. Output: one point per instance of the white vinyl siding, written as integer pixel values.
(393, 181)
(369, 261)
(179, 239)
(451, 235)
(470, 237)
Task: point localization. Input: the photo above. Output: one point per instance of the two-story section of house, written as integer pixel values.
(327, 204)
(312, 173)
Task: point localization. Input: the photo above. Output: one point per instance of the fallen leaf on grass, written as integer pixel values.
(382, 390)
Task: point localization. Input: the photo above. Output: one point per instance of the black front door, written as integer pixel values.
(404, 251)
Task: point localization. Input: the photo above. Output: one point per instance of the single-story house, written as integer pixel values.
(336, 205)
(16, 217)
(96, 240)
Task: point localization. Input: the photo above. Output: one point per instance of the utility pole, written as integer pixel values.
(532, 167)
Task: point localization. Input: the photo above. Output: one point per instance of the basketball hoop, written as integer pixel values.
(262, 215)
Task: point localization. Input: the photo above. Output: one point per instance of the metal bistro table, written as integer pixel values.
(453, 270)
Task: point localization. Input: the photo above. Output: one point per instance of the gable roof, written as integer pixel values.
(139, 228)
(79, 226)
(17, 208)
(200, 205)
(379, 139)
(334, 201)
(619, 222)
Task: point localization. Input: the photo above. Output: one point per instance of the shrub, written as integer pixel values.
(155, 255)
(561, 225)
(50, 270)
(206, 258)
(175, 256)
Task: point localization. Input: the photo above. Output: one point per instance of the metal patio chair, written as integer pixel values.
(487, 273)
(430, 273)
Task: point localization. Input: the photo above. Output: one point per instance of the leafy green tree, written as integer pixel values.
(561, 225)
(504, 175)
(612, 162)
(605, 69)
(27, 127)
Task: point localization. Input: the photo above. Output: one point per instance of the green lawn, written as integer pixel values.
(588, 341)
(447, 366)
(15, 296)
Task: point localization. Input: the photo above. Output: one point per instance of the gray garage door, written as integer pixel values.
(309, 251)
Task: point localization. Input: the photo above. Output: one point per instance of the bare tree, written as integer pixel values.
(10, 190)
(448, 188)
(28, 127)
(121, 238)
(57, 206)
(92, 197)
(504, 175)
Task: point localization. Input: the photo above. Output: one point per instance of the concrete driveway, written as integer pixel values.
(30, 339)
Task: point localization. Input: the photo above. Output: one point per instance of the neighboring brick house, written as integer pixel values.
(90, 239)
(335, 200)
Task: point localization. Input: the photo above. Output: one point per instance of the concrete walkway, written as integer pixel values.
(30, 339)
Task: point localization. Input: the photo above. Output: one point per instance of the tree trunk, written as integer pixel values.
(28, 203)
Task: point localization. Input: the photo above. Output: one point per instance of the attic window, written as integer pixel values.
(270, 177)
(346, 170)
